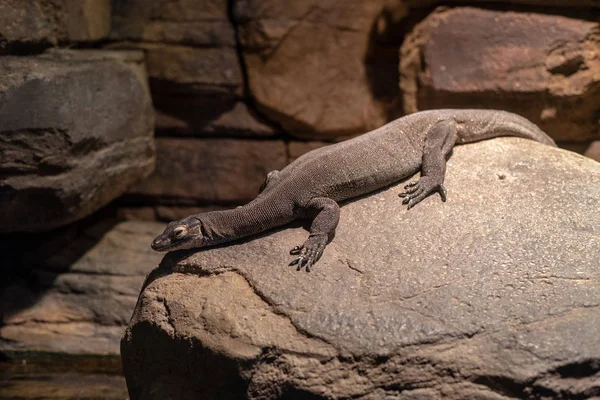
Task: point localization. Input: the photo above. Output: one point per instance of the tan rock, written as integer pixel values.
(546, 3)
(83, 287)
(179, 115)
(166, 213)
(593, 151)
(53, 21)
(209, 171)
(296, 148)
(76, 131)
(309, 68)
(199, 91)
(192, 22)
(26, 382)
(495, 291)
(544, 67)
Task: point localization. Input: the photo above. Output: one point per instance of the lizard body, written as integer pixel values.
(311, 186)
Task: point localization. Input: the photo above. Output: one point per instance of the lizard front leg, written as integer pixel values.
(438, 143)
(326, 215)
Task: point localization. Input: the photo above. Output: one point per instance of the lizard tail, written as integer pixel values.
(503, 123)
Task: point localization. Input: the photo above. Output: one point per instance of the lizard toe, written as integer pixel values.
(310, 252)
(296, 250)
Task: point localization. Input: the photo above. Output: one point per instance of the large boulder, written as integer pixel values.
(46, 22)
(315, 67)
(72, 294)
(76, 131)
(493, 294)
(544, 67)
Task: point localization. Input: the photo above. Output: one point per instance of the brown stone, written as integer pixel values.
(493, 294)
(210, 171)
(50, 384)
(136, 214)
(545, 3)
(179, 69)
(202, 67)
(198, 91)
(310, 66)
(593, 151)
(192, 22)
(81, 288)
(173, 213)
(179, 115)
(76, 131)
(193, 65)
(296, 149)
(544, 67)
(162, 213)
(53, 21)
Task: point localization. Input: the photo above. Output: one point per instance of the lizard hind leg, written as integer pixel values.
(326, 215)
(439, 141)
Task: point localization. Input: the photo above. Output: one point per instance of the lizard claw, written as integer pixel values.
(310, 252)
(415, 192)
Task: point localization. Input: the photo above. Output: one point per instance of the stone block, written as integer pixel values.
(80, 288)
(543, 67)
(210, 171)
(191, 22)
(310, 68)
(53, 21)
(76, 131)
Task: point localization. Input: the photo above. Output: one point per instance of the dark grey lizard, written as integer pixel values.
(311, 186)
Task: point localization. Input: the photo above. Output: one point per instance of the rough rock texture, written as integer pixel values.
(53, 379)
(231, 118)
(296, 149)
(53, 21)
(544, 67)
(163, 213)
(194, 22)
(76, 130)
(310, 64)
(491, 295)
(196, 75)
(546, 3)
(210, 171)
(74, 294)
(593, 151)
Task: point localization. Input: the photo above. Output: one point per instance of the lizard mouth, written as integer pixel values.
(166, 245)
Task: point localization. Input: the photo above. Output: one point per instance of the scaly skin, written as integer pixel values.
(312, 186)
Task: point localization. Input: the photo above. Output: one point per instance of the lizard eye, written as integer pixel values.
(180, 232)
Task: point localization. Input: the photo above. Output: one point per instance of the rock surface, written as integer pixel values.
(210, 171)
(491, 295)
(193, 22)
(76, 131)
(593, 151)
(544, 67)
(193, 65)
(74, 294)
(545, 3)
(53, 21)
(309, 66)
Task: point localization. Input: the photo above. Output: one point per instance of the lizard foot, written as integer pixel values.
(310, 252)
(416, 191)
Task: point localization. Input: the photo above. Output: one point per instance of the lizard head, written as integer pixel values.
(179, 235)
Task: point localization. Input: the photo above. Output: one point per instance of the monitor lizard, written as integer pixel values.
(312, 186)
